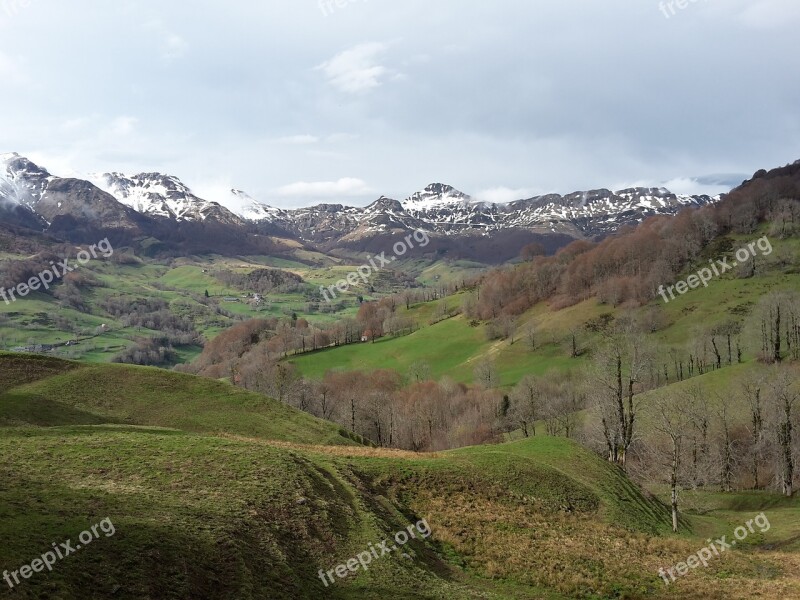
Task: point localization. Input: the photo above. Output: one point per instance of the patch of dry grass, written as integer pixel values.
(581, 557)
(340, 451)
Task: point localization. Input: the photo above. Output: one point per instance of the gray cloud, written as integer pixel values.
(290, 102)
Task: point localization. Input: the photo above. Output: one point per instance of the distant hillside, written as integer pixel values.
(629, 267)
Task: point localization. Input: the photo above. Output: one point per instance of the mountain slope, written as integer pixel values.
(598, 213)
(443, 210)
(163, 196)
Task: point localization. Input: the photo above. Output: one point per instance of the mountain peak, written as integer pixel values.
(436, 195)
(7, 156)
(21, 181)
(16, 162)
(161, 195)
(251, 209)
(241, 194)
(386, 204)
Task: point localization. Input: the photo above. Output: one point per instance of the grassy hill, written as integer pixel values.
(44, 392)
(454, 347)
(217, 493)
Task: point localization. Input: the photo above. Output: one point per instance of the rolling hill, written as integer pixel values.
(217, 493)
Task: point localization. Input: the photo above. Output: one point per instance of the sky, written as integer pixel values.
(341, 101)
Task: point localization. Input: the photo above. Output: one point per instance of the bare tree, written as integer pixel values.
(486, 374)
(419, 371)
(673, 420)
(282, 377)
(323, 392)
(770, 323)
(508, 327)
(695, 400)
(300, 395)
(727, 460)
(526, 404)
(793, 326)
(574, 344)
(622, 368)
(566, 408)
(784, 399)
(530, 336)
(752, 390)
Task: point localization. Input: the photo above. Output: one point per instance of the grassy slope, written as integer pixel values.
(453, 347)
(229, 505)
(127, 395)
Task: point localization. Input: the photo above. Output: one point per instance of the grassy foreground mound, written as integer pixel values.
(45, 392)
(219, 494)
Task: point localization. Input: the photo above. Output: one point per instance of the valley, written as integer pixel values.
(281, 426)
(414, 300)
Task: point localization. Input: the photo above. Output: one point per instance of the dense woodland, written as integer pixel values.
(261, 281)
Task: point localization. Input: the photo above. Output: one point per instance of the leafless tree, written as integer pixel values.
(486, 374)
(727, 461)
(622, 367)
(526, 404)
(419, 371)
(752, 391)
(784, 399)
(695, 400)
(530, 336)
(673, 420)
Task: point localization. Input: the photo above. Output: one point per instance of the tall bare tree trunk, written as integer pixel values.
(758, 426)
(785, 440)
(673, 480)
(786, 398)
(778, 333)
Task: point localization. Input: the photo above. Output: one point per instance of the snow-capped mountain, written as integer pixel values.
(18, 193)
(162, 195)
(21, 181)
(249, 208)
(448, 209)
(436, 196)
(441, 209)
(597, 212)
(50, 198)
(155, 203)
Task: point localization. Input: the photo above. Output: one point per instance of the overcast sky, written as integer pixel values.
(299, 101)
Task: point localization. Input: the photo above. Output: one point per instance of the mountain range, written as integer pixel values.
(158, 205)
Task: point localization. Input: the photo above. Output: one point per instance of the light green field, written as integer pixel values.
(454, 348)
(30, 320)
(444, 346)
